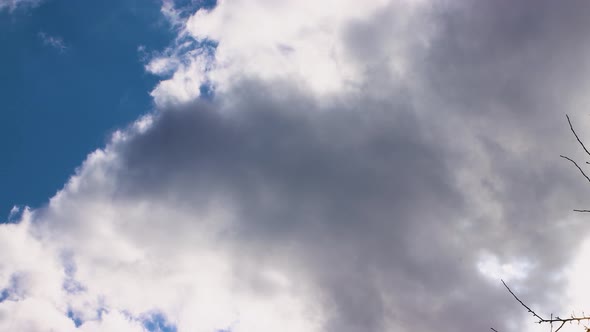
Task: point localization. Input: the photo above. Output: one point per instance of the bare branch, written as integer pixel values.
(573, 131)
(584, 174)
(551, 320)
(556, 319)
(541, 319)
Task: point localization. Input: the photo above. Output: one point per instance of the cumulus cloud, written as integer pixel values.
(359, 168)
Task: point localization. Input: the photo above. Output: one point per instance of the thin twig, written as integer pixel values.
(522, 303)
(573, 131)
(581, 171)
(560, 326)
(576, 210)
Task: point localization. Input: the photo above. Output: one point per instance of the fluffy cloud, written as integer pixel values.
(359, 168)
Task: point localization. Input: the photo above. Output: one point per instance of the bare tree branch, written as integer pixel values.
(522, 303)
(584, 174)
(573, 318)
(551, 320)
(573, 131)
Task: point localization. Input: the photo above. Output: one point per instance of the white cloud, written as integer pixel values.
(162, 66)
(490, 266)
(184, 85)
(301, 41)
(14, 211)
(173, 15)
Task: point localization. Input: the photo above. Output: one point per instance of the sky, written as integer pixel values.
(71, 75)
(292, 165)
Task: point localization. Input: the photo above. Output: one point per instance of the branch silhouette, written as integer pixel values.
(558, 321)
(573, 162)
(552, 320)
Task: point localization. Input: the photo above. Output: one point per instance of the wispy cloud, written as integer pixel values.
(12, 5)
(171, 13)
(14, 212)
(53, 41)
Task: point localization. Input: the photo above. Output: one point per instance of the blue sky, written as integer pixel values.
(60, 104)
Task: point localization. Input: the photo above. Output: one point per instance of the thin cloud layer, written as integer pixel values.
(362, 169)
(55, 42)
(12, 5)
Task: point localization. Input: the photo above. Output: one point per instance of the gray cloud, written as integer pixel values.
(367, 191)
(365, 198)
